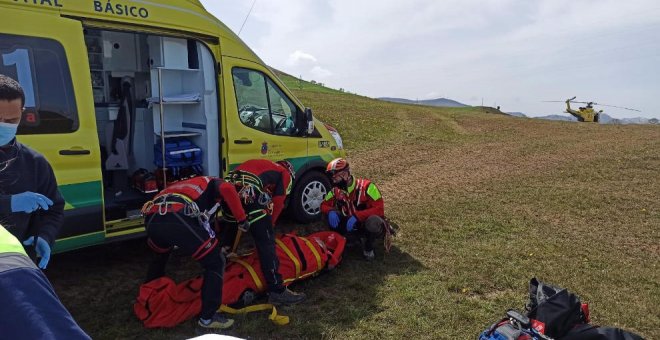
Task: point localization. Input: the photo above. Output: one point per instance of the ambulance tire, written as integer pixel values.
(307, 195)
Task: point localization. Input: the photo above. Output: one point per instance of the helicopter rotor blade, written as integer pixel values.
(592, 103)
(618, 107)
(563, 101)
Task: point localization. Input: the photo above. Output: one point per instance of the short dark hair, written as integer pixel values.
(10, 89)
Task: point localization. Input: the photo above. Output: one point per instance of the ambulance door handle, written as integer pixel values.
(74, 152)
(242, 141)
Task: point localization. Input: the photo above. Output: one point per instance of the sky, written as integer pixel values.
(509, 53)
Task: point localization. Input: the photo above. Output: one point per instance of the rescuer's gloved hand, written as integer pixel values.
(42, 248)
(28, 202)
(244, 226)
(350, 224)
(333, 219)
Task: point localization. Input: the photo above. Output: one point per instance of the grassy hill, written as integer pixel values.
(484, 202)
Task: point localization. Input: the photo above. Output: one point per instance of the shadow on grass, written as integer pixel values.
(337, 300)
(99, 285)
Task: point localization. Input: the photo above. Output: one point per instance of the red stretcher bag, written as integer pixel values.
(299, 257)
(162, 303)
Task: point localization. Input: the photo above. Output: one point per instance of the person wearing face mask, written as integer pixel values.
(354, 204)
(31, 207)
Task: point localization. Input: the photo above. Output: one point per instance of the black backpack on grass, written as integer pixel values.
(558, 310)
(565, 317)
(552, 313)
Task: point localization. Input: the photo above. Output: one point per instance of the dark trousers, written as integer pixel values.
(264, 240)
(371, 229)
(169, 230)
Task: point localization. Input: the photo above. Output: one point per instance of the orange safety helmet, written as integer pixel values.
(336, 165)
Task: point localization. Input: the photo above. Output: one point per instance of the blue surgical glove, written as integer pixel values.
(333, 219)
(28, 202)
(350, 224)
(43, 250)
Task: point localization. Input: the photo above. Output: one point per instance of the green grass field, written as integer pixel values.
(484, 202)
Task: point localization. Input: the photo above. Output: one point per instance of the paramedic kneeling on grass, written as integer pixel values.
(181, 215)
(262, 186)
(31, 207)
(354, 204)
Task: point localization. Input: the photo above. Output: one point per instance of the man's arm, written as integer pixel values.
(328, 203)
(375, 205)
(230, 196)
(47, 223)
(5, 204)
(280, 192)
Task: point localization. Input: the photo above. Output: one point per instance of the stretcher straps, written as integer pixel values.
(253, 273)
(288, 252)
(280, 320)
(300, 253)
(316, 253)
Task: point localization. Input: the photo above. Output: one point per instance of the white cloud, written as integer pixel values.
(298, 57)
(320, 72)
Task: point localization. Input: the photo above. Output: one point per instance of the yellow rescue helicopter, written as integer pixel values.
(587, 113)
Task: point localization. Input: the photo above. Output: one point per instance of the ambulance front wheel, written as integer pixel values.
(307, 196)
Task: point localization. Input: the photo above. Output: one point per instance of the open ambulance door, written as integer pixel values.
(261, 119)
(47, 55)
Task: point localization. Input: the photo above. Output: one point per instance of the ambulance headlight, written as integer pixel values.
(335, 134)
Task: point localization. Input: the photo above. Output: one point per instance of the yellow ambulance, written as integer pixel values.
(124, 96)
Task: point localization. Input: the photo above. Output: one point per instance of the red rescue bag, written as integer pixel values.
(163, 303)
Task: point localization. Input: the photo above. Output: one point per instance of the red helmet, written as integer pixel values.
(336, 165)
(289, 167)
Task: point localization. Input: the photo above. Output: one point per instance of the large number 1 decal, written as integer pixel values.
(21, 58)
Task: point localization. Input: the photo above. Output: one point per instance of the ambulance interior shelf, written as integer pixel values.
(174, 107)
(178, 99)
(176, 134)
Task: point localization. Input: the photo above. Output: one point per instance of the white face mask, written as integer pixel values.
(7, 132)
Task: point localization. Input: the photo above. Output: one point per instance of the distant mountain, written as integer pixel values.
(397, 100)
(606, 119)
(516, 114)
(443, 102)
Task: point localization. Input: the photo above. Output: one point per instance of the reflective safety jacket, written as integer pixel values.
(203, 191)
(362, 199)
(31, 309)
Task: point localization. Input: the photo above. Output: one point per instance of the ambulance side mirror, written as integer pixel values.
(310, 120)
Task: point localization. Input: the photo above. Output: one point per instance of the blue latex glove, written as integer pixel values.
(28, 202)
(333, 219)
(43, 250)
(350, 224)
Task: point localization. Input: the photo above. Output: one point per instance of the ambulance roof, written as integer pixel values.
(174, 15)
